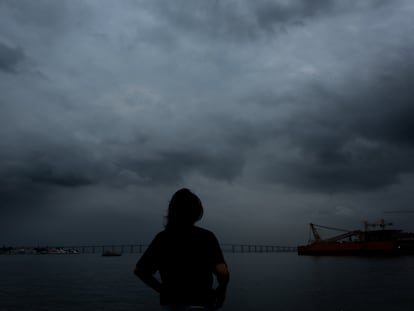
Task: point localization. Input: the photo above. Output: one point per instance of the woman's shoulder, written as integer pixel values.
(193, 231)
(203, 231)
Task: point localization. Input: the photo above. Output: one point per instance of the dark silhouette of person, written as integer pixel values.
(186, 257)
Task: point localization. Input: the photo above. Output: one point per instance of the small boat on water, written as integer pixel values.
(365, 242)
(111, 254)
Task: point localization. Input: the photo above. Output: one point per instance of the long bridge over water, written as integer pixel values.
(139, 248)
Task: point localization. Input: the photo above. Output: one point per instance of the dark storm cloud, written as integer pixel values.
(50, 16)
(361, 139)
(173, 166)
(246, 20)
(71, 176)
(10, 58)
(32, 170)
(29, 174)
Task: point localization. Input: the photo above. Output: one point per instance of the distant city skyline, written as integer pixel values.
(276, 113)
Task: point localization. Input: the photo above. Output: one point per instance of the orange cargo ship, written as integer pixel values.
(360, 242)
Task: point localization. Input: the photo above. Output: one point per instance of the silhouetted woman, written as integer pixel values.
(186, 258)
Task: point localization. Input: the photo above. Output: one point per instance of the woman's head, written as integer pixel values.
(185, 209)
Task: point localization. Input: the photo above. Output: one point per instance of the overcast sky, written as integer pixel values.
(276, 113)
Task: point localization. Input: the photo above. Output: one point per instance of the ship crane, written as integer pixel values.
(317, 238)
(381, 223)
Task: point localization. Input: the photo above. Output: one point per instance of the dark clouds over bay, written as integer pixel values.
(291, 111)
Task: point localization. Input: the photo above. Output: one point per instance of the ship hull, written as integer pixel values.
(360, 248)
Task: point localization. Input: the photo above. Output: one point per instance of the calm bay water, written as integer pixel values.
(272, 281)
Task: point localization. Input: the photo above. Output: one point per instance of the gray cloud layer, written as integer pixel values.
(314, 97)
(10, 58)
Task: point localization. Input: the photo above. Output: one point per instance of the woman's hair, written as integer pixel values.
(184, 210)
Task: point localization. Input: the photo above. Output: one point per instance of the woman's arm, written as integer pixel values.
(148, 279)
(223, 276)
(148, 265)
